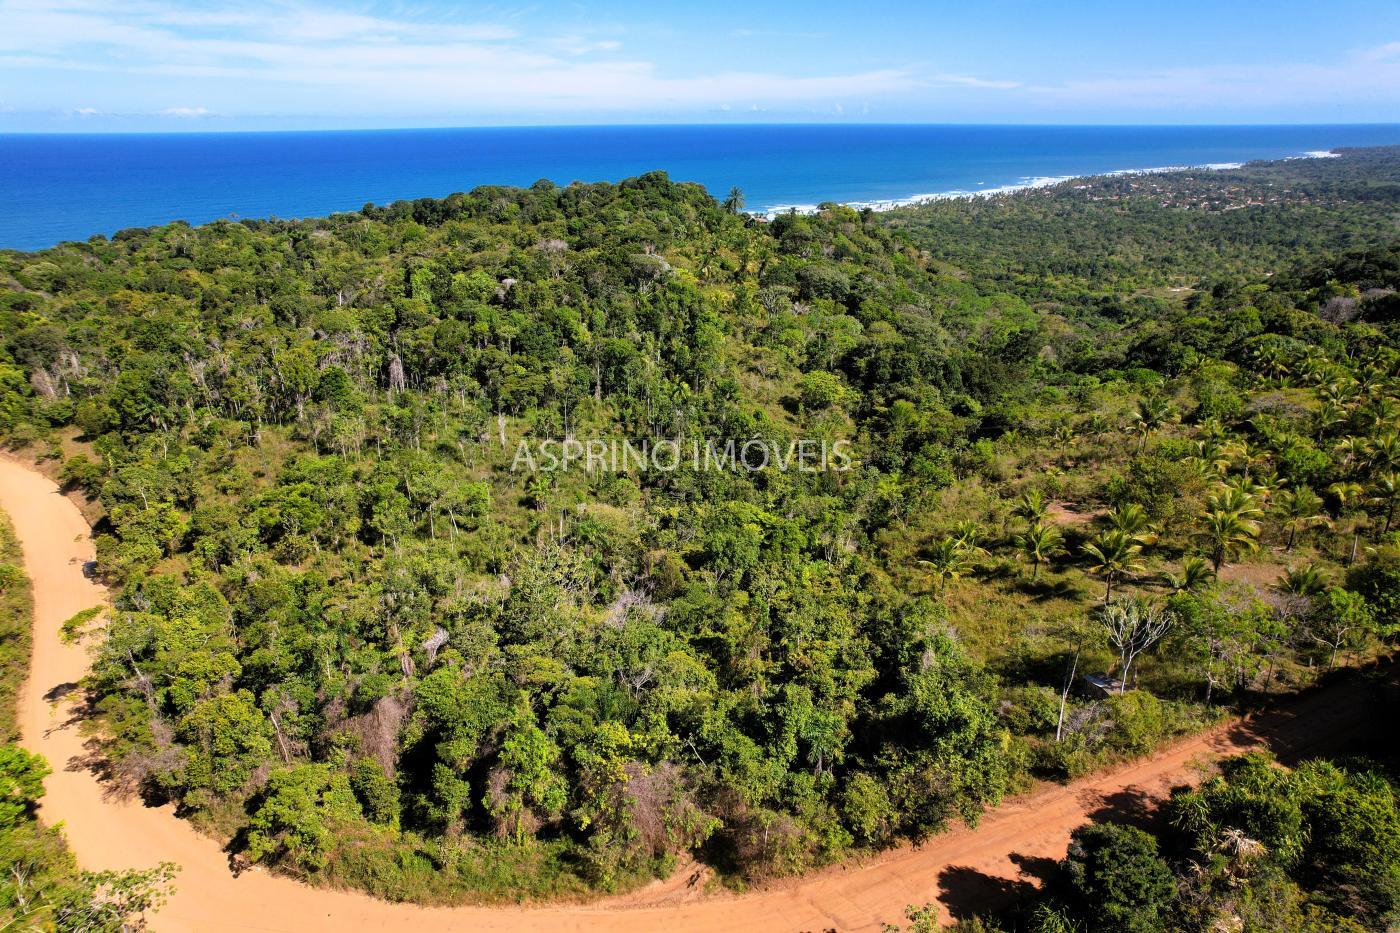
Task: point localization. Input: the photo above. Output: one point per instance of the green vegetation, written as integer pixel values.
(1256, 848)
(351, 638)
(40, 886)
(16, 609)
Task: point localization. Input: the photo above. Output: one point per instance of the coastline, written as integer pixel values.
(1027, 183)
(70, 188)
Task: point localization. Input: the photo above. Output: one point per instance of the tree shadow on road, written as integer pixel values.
(966, 892)
(1035, 866)
(1131, 805)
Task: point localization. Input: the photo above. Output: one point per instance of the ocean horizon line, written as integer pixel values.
(796, 124)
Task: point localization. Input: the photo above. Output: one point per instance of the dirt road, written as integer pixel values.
(962, 870)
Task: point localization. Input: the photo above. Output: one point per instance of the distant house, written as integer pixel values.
(1103, 685)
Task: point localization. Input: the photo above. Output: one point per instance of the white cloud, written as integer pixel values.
(303, 57)
(969, 81)
(333, 60)
(1368, 75)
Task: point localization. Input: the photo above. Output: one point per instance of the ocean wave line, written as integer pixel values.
(1027, 183)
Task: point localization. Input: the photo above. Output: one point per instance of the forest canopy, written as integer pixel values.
(350, 638)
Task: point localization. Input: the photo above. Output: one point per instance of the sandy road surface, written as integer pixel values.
(963, 869)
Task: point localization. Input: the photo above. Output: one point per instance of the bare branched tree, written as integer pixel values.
(1133, 626)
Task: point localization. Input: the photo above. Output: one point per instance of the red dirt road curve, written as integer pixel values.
(961, 870)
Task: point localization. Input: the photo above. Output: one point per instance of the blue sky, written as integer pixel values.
(100, 65)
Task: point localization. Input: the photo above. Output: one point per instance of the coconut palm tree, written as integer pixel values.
(1097, 425)
(1382, 412)
(1300, 510)
(1340, 392)
(1371, 379)
(969, 534)
(1270, 358)
(1302, 581)
(1383, 452)
(1240, 851)
(1266, 483)
(947, 560)
(1149, 416)
(1038, 543)
(1031, 506)
(1349, 495)
(1112, 555)
(1245, 455)
(1195, 576)
(1227, 533)
(1131, 519)
(1328, 416)
(1213, 454)
(1351, 452)
(1240, 498)
(1385, 492)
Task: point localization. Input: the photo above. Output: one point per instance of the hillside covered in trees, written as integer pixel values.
(353, 637)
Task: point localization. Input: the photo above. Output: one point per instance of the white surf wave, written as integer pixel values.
(1025, 184)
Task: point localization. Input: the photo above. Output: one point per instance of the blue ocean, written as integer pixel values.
(67, 187)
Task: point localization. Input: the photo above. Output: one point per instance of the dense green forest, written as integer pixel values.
(352, 639)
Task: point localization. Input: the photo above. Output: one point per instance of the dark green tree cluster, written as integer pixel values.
(1256, 848)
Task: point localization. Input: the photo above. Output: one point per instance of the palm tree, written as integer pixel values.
(1113, 554)
(1300, 509)
(1385, 491)
(1200, 468)
(1240, 851)
(968, 534)
(1195, 575)
(1348, 495)
(1212, 429)
(1246, 455)
(947, 560)
(1340, 392)
(1226, 533)
(1213, 454)
(1382, 412)
(1132, 520)
(1266, 483)
(1097, 425)
(1328, 416)
(1373, 377)
(1314, 368)
(1302, 581)
(1351, 452)
(1241, 497)
(1030, 505)
(1383, 452)
(1270, 357)
(1037, 544)
(1148, 417)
